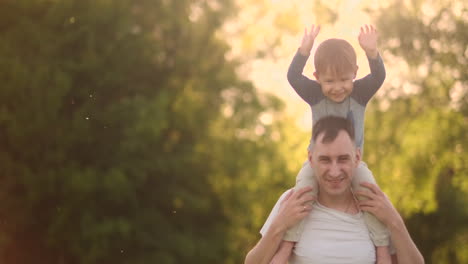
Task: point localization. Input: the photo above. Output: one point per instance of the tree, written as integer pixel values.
(418, 139)
(117, 145)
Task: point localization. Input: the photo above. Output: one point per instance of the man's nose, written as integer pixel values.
(334, 170)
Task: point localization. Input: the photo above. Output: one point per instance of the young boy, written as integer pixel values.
(336, 93)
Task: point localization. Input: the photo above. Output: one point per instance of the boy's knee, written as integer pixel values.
(361, 197)
(362, 174)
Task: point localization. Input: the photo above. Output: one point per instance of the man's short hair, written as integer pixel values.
(330, 126)
(335, 55)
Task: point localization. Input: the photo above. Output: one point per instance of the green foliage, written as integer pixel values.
(115, 148)
(128, 137)
(418, 146)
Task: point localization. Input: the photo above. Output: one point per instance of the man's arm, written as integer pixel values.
(292, 210)
(406, 250)
(266, 248)
(380, 206)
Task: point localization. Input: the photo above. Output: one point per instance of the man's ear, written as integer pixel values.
(309, 157)
(358, 156)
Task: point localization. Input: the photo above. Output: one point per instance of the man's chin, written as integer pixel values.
(335, 189)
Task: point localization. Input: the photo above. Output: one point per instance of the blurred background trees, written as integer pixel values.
(129, 133)
(119, 142)
(420, 145)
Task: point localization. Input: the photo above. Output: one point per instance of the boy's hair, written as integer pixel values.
(330, 126)
(336, 55)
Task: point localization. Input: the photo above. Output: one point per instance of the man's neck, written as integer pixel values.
(343, 202)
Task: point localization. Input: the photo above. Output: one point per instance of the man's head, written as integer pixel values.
(335, 68)
(334, 155)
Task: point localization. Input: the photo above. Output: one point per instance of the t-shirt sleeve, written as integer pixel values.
(273, 214)
(309, 90)
(366, 87)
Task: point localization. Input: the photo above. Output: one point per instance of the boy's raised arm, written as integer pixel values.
(308, 40)
(366, 87)
(306, 88)
(368, 41)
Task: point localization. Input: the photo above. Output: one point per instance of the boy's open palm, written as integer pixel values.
(368, 40)
(308, 40)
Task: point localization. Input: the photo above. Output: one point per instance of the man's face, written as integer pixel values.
(334, 164)
(336, 87)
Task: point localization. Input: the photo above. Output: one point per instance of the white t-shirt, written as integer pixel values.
(330, 237)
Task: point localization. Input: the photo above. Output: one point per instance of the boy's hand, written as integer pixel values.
(368, 41)
(308, 40)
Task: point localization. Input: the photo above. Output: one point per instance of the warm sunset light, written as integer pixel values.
(278, 26)
(166, 131)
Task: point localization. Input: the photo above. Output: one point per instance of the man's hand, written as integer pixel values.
(294, 208)
(368, 40)
(379, 205)
(308, 40)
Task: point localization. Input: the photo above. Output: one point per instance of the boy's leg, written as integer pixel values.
(284, 251)
(383, 255)
(378, 231)
(304, 178)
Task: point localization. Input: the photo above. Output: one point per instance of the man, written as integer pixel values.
(334, 229)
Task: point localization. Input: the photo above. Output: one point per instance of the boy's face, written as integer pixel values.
(336, 87)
